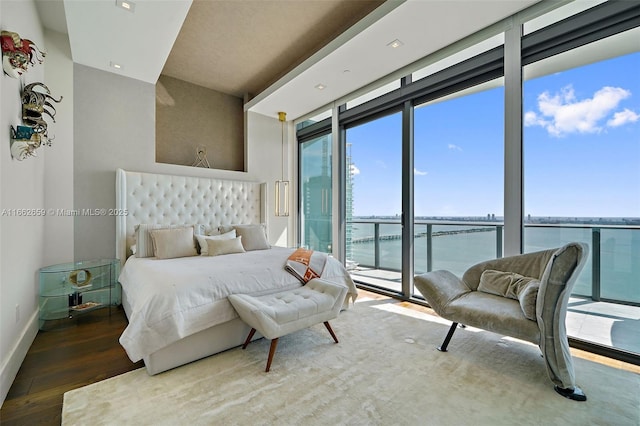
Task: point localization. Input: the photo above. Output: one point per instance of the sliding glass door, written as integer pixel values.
(459, 179)
(315, 194)
(374, 201)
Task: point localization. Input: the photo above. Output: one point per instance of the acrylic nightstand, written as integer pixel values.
(71, 289)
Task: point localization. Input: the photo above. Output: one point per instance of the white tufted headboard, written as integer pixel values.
(173, 200)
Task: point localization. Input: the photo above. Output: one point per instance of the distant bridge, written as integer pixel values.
(421, 235)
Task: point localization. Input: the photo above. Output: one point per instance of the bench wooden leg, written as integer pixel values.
(246, 342)
(326, 324)
(272, 350)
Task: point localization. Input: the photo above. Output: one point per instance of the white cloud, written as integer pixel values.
(418, 172)
(455, 147)
(381, 164)
(354, 170)
(532, 119)
(563, 113)
(623, 117)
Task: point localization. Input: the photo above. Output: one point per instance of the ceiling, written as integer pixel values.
(241, 47)
(272, 52)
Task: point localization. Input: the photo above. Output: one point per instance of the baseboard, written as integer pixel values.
(16, 356)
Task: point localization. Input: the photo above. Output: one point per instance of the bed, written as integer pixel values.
(177, 308)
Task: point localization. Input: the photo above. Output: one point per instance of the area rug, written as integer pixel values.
(385, 371)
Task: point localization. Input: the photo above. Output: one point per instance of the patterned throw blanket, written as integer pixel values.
(306, 264)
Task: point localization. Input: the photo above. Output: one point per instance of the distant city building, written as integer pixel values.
(317, 205)
(349, 206)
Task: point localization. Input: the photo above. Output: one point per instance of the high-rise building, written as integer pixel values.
(349, 206)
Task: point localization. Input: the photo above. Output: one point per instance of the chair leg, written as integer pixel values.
(272, 350)
(575, 394)
(443, 347)
(326, 324)
(246, 342)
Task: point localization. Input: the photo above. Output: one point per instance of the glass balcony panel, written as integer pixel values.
(391, 246)
(537, 238)
(457, 247)
(363, 244)
(620, 264)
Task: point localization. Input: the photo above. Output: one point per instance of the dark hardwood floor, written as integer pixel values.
(69, 354)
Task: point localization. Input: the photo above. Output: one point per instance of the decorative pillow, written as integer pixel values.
(514, 286)
(505, 284)
(254, 237)
(204, 246)
(206, 230)
(144, 242)
(173, 242)
(219, 247)
(528, 297)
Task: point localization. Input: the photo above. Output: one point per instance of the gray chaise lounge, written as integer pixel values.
(498, 296)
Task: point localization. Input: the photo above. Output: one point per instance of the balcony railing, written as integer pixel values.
(612, 272)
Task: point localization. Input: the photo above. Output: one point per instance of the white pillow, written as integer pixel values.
(254, 237)
(173, 242)
(144, 242)
(219, 247)
(202, 240)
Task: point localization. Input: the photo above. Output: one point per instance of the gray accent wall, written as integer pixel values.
(113, 127)
(189, 116)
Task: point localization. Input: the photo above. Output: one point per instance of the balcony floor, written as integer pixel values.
(607, 324)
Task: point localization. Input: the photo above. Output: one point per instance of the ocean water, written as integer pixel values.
(619, 252)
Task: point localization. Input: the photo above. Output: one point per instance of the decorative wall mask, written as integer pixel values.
(18, 54)
(29, 137)
(34, 105)
(24, 142)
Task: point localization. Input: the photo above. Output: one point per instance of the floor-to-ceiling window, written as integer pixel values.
(581, 163)
(315, 186)
(374, 198)
(452, 158)
(315, 193)
(458, 179)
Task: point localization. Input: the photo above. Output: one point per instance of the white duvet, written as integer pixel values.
(173, 298)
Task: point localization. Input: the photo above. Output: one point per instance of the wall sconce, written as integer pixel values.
(282, 186)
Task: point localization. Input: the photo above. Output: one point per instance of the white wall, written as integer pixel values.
(58, 185)
(21, 187)
(264, 136)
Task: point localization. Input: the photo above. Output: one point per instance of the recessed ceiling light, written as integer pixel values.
(115, 65)
(320, 86)
(395, 43)
(126, 5)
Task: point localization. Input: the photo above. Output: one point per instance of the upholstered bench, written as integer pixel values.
(277, 314)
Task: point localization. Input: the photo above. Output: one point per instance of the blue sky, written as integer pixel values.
(581, 149)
